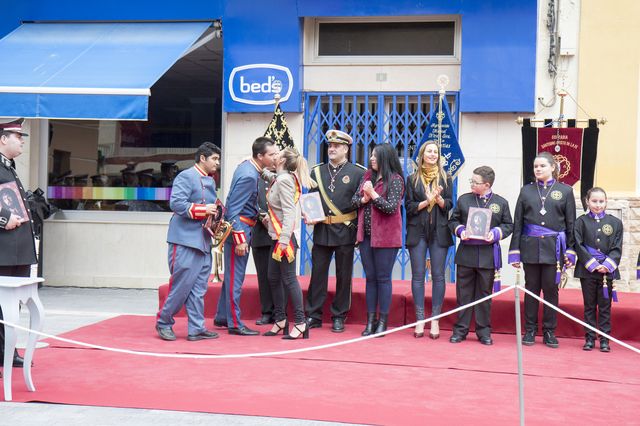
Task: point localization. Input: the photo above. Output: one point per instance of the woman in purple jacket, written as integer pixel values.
(379, 230)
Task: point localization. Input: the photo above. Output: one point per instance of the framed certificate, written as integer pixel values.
(11, 200)
(478, 223)
(312, 207)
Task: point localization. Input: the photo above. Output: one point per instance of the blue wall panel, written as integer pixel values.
(498, 36)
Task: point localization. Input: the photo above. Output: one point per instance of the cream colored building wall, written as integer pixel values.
(127, 250)
(609, 77)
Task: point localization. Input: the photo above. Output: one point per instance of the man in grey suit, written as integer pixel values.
(192, 199)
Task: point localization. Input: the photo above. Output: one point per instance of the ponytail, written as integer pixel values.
(295, 163)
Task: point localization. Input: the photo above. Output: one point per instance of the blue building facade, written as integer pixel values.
(497, 49)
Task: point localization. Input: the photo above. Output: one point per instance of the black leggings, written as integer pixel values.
(282, 276)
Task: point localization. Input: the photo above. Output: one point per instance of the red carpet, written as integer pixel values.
(393, 380)
(625, 314)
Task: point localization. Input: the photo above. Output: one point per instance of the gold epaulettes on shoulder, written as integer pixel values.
(359, 165)
(316, 166)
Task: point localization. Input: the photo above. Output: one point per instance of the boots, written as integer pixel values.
(382, 324)
(419, 330)
(371, 320)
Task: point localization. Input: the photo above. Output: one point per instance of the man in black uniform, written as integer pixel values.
(478, 261)
(337, 181)
(18, 250)
(261, 244)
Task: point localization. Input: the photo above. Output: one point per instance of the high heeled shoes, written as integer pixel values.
(277, 328)
(302, 332)
(434, 333)
(419, 331)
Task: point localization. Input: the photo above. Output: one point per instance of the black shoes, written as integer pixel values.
(204, 335)
(457, 338)
(18, 361)
(314, 323)
(277, 328)
(382, 324)
(485, 340)
(220, 323)
(303, 333)
(265, 319)
(589, 344)
(243, 331)
(371, 324)
(529, 338)
(338, 325)
(165, 333)
(549, 339)
(604, 346)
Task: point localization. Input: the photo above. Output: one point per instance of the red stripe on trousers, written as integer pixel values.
(173, 261)
(231, 283)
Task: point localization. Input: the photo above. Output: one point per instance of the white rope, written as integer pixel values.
(258, 354)
(571, 317)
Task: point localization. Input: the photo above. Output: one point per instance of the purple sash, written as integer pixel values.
(561, 242)
(601, 257)
(497, 255)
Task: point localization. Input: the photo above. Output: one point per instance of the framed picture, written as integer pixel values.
(312, 207)
(478, 223)
(11, 200)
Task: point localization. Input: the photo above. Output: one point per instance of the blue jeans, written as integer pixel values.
(378, 267)
(438, 255)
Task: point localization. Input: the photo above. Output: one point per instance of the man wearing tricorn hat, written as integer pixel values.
(18, 251)
(337, 182)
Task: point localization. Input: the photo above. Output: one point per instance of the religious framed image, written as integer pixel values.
(312, 207)
(11, 200)
(478, 223)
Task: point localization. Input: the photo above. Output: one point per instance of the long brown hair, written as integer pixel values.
(420, 160)
(295, 163)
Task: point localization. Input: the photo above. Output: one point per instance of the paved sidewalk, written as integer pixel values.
(67, 308)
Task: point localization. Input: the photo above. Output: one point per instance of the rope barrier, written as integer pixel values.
(257, 354)
(325, 346)
(571, 317)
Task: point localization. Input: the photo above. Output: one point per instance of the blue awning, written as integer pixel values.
(88, 70)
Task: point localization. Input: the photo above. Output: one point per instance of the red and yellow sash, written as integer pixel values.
(290, 251)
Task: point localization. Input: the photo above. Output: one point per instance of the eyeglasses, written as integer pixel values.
(473, 182)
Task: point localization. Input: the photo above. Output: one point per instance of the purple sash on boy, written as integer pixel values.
(497, 254)
(561, 243)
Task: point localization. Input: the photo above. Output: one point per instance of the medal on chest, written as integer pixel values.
(333, 174)
(543, 198)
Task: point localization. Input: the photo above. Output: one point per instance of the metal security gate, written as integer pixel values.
(370, 118)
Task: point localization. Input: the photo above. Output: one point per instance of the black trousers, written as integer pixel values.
(284, 285)
(540, 277)
(473, 284)
(11, 271)
(594, 301)
(317, 293)
(261, 256)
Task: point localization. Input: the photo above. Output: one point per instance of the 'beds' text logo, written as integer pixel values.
(257, 84)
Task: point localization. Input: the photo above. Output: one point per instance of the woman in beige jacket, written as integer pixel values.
(282, 198)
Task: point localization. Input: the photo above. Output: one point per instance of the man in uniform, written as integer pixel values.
(338, 181)
(261, 243)
(192, 200)
(479, 261)
(18, 250)
(242, 213)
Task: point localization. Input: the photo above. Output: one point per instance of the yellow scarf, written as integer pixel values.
(429, 177)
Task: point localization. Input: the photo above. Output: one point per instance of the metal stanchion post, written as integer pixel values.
(519, 348)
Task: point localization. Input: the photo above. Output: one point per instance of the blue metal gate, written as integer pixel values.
(370, 118)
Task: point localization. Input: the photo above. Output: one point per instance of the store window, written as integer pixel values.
(392, 40)
(130, 165)
(386, 38)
